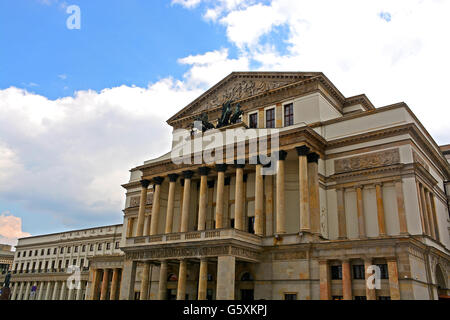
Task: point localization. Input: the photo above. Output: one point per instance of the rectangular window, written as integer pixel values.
(75, 249)
(55, 250)
(83, 248)
(46, 265)
(81, 263)
(358, 271)
(99, 246)
(30, 253)
(253, 120)
(74, 262)
(288, 115)
(61, 250)
(18, 254)
(36, 253)
(336, 272)
(290, 296)
(68, 249)
(42, 252)
(384, 274)
(91, 248)
(270, 118)
(67, 263)
(117, 244)
(48, 251)
(251, 225)
(108, 246)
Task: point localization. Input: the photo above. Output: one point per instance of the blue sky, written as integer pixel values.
(79, 108)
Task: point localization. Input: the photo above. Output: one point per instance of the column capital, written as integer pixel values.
(313, 157)
(302, 150)
(280, 155)
(210, 183)
(188, 174)
(204, 171)
(145, 183)
(221, 167)
(378, 184)
(173, 177)
(227, 181)
(158, 180)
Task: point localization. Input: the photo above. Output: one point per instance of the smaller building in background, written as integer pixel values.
(44, 264)
(6, 258)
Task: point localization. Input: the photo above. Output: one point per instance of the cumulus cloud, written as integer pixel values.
(11, 229)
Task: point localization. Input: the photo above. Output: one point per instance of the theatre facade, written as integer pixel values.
(345, 189)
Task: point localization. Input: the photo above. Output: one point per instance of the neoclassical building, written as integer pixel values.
(348, 186)
(44, 265)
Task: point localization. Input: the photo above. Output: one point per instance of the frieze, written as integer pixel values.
(366, 161)
(290, 255)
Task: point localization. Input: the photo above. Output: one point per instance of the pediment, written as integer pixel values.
(240, 85)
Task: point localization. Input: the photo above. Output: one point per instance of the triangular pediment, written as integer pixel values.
(240, 85)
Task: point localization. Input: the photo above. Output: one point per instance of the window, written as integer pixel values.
(30, 253)
(108, 246)
(99, 246)
(59, 264)
(336, 272)
(358, 271)
(68, 249)
(251, 225)
(288, 115)
(232, 223)
(117, 244)
(48, 251)
(42, 252)
(74, 262)
(18, 254)
(36, 253)
(253, 120)
(290, 296)
(81, 263)
(55, 250)
(67, 263)
(83, 248)
(53, 264)
(91, 247)
(61, 250)
(46, 265)
(384, 274)
(270, 118)
(75, 249)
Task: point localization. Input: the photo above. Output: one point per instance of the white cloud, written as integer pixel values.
(187, 3)
(11, 229)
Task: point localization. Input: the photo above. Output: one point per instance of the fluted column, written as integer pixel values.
(370, 293)
(202, 279)
(360, 212)
(380, 210)
(105, 282)
(114, 284)
(95, 283)
(424, 210)
(62, 294)
(239, 222)
(421, 210)
(55, 291)
(268, 192)
(22, 284)
(145, 281)
(433, 213)
(48, 291)
(305, 220)
(430, 214)
(41, 290)
(203, 171)
(80, 291)
(245, 207)
(14, 291)
(162, 286)
(186, 201)
(155, 205)
(221, 168)
(394, 288)
(313, 187)
(401, 207)
(346, 280)
(210, 211)
(281, 206)
(181, 290)
(170, 203)
(342, 223)
(27, 291)
(259, 198)
(325, 282)
(142, 204)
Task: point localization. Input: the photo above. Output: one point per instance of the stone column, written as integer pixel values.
(430, 214)
(268, 192)
(181, 290)
(370, 293)
(226, 268)
(393, 279)
(203, 192)
(360, 211)
(401, 207)
(424, 210)
(259, 201)
(79, 294)
(181, 202)
(421, 209)
(114, 284)
(105, 282)
(245, 207)
(27, 291)
(325, 282)
(342, 223)
(210, 214)
(41, 290)
(14, 291)
(145, 281)
(155, 205)
(380, 210)
(162, 286)
(433, 213)
(130, 223)
(142, 204)
(313, 187)
(128, 280)
(71, 292)
(95, 289)
(170, 202)
(346, 280)
(281, 206)
(305, 219)
(55, 291)
(239, 222)
(202, 279)
(48, 291)
(221, 168)
(22, 284)
(226, 200)
(186, 201)
(62, 294)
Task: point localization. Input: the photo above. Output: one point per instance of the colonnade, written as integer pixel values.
(47, 290)
(427, 209)
(105, 283)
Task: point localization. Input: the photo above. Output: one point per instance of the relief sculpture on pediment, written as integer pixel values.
(371, 160)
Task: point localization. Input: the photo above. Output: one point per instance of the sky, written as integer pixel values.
(85, 93)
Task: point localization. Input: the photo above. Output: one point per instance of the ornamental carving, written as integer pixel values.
(290, 255)
(135, 201)
(366, 161)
